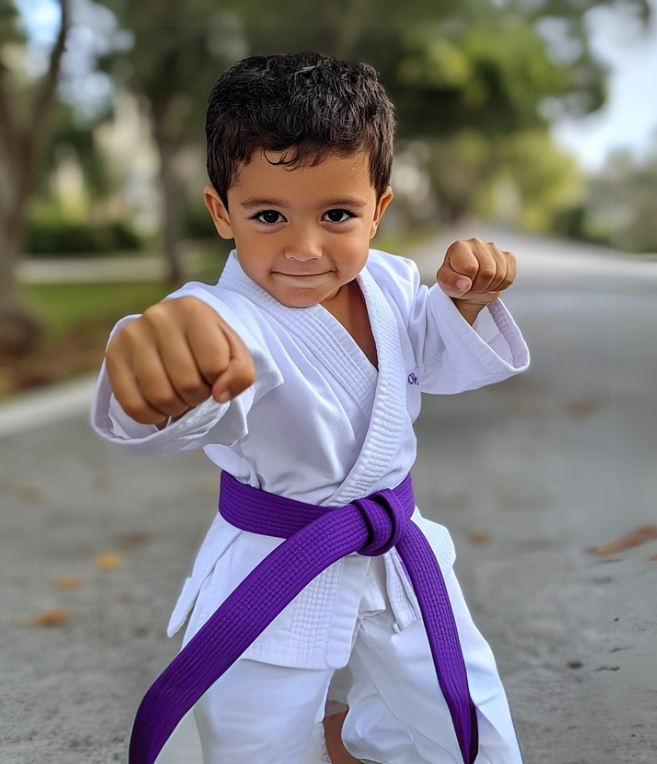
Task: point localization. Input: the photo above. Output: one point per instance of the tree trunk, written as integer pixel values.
(170, 206)
(19, 329)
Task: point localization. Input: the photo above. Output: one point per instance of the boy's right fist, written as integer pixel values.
(175, 356)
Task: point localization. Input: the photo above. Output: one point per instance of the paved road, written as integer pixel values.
(529, 475)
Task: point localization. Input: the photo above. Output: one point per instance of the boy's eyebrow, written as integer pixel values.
(346, 201)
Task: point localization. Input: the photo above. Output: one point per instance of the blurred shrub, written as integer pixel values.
(48, 235)
(574, 223)
(197, 223)
(621, 201)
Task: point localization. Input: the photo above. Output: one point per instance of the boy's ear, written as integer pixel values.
(381, 205)
(218, 212)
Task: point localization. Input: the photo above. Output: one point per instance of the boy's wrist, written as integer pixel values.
(469, 310)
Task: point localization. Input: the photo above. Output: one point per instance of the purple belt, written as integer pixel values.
(315, 537)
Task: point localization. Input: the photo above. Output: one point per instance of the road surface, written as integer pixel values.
(530, 476)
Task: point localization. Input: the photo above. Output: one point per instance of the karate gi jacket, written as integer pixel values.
(322, 425)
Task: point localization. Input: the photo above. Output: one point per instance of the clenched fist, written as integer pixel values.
(474, 273)
(174, 357)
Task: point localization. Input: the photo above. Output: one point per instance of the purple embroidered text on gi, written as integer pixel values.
(412, 379)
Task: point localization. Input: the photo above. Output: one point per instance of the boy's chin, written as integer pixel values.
(302, 298)
(304, 301)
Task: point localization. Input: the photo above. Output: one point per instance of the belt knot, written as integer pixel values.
(386, 518)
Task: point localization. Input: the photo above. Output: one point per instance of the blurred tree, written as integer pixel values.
(508, 65)
(178, 51)
(532, 182)
(520, 179)
(23, 136)
(620, 207)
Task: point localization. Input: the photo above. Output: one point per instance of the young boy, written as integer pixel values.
(299, 374)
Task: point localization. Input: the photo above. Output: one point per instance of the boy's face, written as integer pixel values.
(303, 233)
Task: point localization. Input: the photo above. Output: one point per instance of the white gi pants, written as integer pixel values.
(265, 714)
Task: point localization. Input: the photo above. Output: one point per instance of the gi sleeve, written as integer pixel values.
(454, 356)
(210, 423)
(450, 355)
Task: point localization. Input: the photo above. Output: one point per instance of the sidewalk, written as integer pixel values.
(139, 267)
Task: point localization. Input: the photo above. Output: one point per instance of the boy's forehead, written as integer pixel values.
(271, 168)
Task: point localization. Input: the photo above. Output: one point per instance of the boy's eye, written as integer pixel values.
(338, 216)
(270, 217)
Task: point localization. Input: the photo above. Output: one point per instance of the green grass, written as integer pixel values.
(63, 307)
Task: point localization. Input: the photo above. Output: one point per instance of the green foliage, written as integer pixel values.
(458, 167)
(49, 234)
(621, 203)
(9, 27)
(447, 66)
(197, 223)
(472, 75)
(546, 179)
(520, 178)
(71, 134)
(178, 51)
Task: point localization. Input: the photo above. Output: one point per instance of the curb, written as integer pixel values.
(44, 407)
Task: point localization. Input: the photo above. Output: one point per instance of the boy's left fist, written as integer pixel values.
(475, 272)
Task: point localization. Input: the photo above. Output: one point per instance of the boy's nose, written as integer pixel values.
(303, 254)
(303, 248)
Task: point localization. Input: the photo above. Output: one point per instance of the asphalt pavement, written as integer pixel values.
(533, 476)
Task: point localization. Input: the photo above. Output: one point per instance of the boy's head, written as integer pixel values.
(299, 155)
(306, 104)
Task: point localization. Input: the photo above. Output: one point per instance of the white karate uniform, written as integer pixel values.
(321, 425)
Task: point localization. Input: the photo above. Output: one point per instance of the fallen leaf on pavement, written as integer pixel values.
(634, 538)
(70, 584)
(33, 493)
(136, 538)
(582, 409)
(54, 617)
(109, 561)
(479, 538)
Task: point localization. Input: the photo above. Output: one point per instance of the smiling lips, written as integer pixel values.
(301, 275)
(309, 279)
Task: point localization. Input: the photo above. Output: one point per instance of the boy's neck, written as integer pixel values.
(348, 306)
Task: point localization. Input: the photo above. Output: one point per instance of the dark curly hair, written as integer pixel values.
(310, 104)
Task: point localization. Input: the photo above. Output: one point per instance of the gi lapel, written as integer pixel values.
(389, 413)
(338, 354)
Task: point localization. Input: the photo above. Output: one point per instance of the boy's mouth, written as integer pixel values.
(307, 278)
(301, 275)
